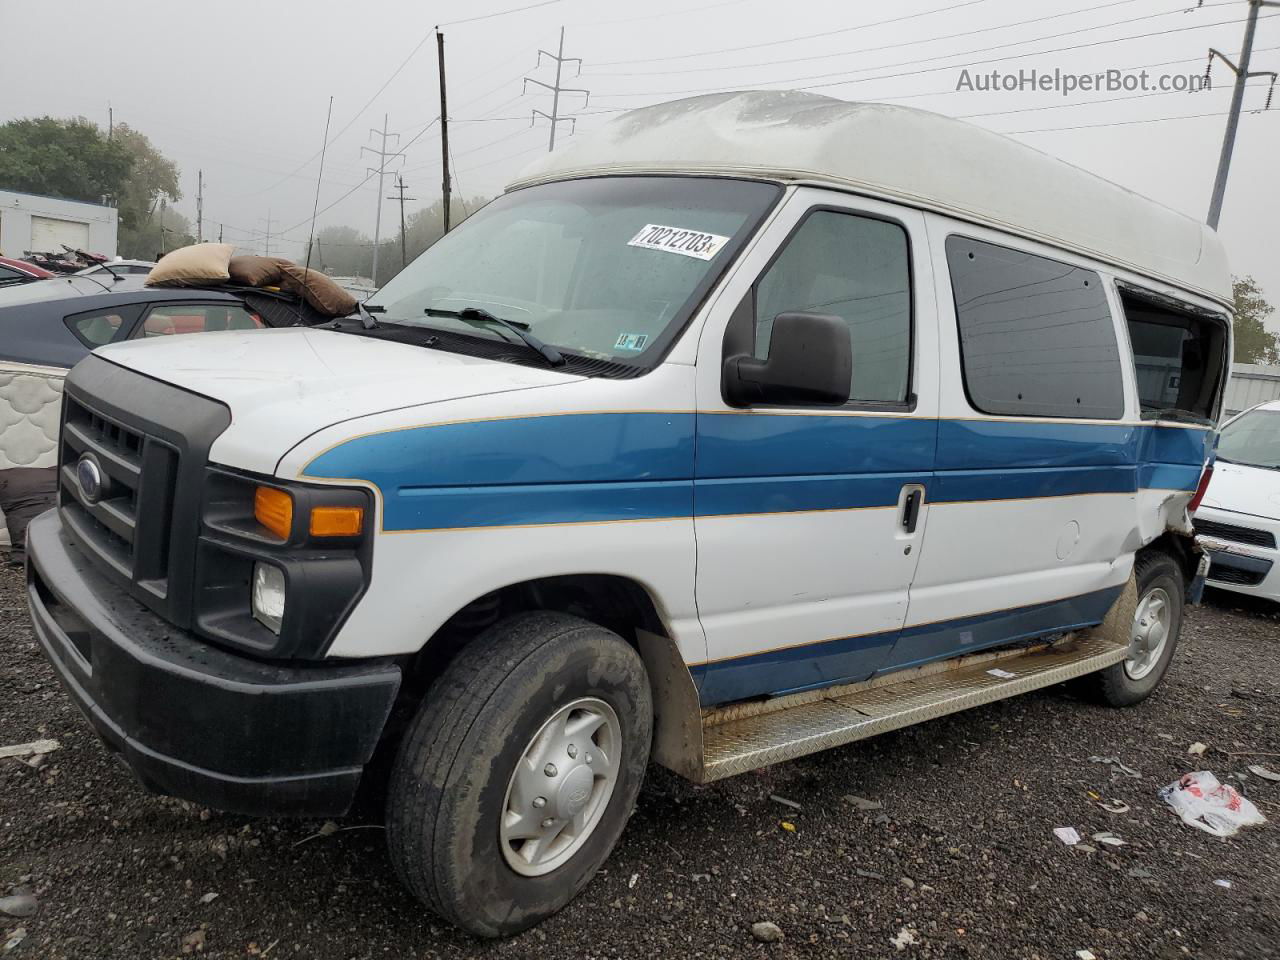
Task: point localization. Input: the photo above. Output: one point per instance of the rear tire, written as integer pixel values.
(1147, 617)
(541, 726)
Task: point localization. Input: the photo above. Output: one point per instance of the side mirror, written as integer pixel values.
(810, 362)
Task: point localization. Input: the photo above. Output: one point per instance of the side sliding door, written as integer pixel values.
(1033, 520)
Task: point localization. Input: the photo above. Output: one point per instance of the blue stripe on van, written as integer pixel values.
(793, 669)
(597, 467)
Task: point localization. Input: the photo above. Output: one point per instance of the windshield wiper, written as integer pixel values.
(366, 315)
(475, 316)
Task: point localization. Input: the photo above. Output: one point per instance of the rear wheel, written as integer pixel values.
(1151, 631)
(519, 772)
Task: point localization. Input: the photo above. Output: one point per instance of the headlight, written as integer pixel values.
(268, 596)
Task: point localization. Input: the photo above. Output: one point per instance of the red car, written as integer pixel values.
(19, 271)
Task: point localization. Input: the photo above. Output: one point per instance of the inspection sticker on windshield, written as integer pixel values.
(687, 243)
(631, 341)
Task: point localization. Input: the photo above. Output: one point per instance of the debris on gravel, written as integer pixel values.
(19, 905)
(120, 874)
(767, 932)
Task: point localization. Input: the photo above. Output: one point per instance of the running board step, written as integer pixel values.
(856, 712)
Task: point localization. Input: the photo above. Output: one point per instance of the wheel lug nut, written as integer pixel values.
(539, 802)
(589, 759)
(550, 770)
(547, 823)
(572, 751)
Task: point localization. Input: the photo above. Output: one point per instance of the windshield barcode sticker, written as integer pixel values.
(687, 243)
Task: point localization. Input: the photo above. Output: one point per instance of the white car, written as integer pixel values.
(1239, 520)
(118, 268)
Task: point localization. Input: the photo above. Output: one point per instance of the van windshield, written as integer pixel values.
(1252, 439)
(609, 268)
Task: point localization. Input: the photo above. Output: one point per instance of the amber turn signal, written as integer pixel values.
(337, 521)
(274, 510)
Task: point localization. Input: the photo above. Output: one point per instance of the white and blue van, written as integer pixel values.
(751, 425)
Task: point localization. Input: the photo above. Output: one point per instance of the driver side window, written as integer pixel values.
(858, 269)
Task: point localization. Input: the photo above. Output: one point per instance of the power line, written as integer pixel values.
(499, 13)
(665, 14)
(367, 178)
(347, 126)
(949, 66)
(809, 36)
(880, 47)
(1118, 123)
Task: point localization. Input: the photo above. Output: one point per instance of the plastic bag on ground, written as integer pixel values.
(1204, 803)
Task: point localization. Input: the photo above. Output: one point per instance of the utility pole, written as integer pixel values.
(199, 206)
(383, 155)
(219, 233)
(267, 250)
(400, 187)
(445, 185)
(1237, 99)
(556, 90)
(111, 121)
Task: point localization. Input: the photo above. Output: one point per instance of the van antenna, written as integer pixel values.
(319, 177)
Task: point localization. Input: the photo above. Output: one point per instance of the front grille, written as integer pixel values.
(1243, 578)
(1235, 534)
(127, 527)
(150, 442)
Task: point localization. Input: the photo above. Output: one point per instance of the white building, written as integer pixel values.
(29, 221)
(1251, 384)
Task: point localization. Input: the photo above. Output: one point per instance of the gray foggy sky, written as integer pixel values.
(240, 89)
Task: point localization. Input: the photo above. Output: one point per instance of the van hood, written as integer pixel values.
(1241, 489)
(296, 381)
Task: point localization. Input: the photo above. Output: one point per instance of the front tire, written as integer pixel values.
(519, 772)
(1151, 630)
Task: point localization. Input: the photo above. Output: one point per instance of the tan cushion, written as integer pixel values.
(317, 289)
(200, 264)
(257, 271)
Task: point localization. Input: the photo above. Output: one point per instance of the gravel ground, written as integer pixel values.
(961, 856)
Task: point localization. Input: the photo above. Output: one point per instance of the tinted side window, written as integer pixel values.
(95, 329)
(197, 318)
(1036, 336)
(858, 269)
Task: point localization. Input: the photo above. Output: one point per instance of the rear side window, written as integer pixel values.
(1036, 336)
(1178, 358)
(95, 329)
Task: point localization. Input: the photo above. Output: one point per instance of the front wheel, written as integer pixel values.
(1151, 631)
(519, 772)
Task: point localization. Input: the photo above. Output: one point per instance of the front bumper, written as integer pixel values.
(1239, 566)
(195, 721)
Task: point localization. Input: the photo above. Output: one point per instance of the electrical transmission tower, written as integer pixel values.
(400, 188)
(1237, 99)
(383, 155)
(554, 116)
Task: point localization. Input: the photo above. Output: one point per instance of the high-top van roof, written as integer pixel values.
(914, 157)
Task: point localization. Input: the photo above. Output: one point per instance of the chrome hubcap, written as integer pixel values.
(560, 787)
(1151, 626)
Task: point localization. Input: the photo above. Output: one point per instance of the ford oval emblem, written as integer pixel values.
(89, 476)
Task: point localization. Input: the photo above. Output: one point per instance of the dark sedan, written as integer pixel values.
(56, 323)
